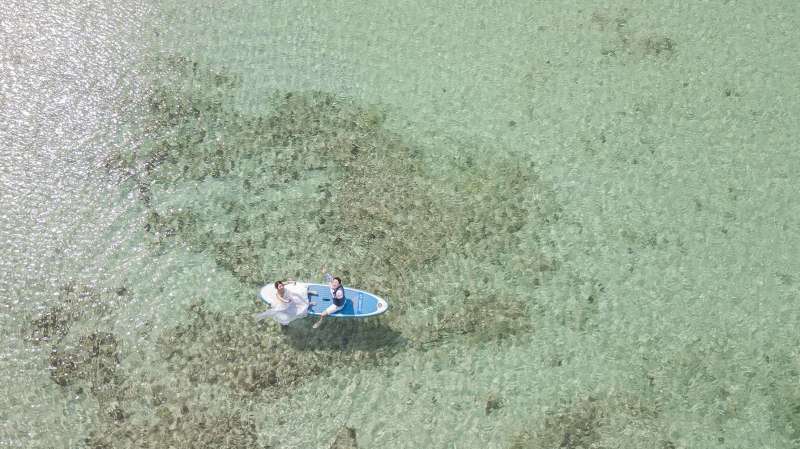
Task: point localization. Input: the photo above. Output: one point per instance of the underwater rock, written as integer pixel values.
(483, 320)
(345, 439)
(74, 303)
(169, 223)
(224, 350)
(494, 402)
(625, 42)
(578, 428)
(240, 257)
(52, 325)
(93, 359)
(204, 426)
(581, 423)
(77, 359)
(145, 414)
(657, 45)
(387, 209)
(615, 22)
(522, 440)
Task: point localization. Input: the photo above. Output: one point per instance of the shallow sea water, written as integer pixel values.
(583, 216)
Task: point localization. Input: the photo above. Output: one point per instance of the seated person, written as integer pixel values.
(337, 293)
(288, 301)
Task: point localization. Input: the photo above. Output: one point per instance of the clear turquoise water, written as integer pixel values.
(584, 217)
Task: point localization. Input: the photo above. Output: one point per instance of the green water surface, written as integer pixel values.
(583, 216)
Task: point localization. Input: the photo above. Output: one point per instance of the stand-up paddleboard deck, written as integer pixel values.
(359, 304)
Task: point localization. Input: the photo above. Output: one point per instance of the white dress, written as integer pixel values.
(283, 312)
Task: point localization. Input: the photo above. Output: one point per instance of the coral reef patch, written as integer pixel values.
(227, 351)
(318, 177)
(85, 361)
(584, 422)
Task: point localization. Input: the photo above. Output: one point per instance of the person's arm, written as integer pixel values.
(328, 277)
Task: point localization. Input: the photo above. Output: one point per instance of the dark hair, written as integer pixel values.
(278, 283)
(338, 279)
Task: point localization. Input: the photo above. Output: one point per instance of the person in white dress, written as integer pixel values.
(288, 301)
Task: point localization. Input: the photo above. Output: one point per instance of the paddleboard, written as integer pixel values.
(358, 304)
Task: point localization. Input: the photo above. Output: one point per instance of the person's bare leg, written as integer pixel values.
(312, 303)
(319, 323)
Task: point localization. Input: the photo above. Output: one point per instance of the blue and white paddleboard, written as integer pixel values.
(359, 304)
